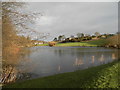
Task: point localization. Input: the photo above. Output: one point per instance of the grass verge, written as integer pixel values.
(42, 45)
(95, 43)
(104, 76)
(100, 42)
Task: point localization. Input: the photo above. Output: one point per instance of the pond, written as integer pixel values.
(45, 61)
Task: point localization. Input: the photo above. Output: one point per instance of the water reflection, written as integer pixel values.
(45, 61)
(59, 68)
(113, 56)
(102, 58)
(93, 59)
(52, 60)
(78, 62)
(10, 63)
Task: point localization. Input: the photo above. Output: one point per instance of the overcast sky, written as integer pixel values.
(60, 18)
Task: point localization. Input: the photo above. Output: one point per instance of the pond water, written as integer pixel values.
(45, 61)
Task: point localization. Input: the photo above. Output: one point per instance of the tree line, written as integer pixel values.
(81, 37)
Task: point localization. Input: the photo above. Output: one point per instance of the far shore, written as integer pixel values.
(94, 43)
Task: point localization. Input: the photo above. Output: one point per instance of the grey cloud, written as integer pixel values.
(72, 18)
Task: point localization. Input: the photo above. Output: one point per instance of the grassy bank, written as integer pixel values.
(100, 42)
(42, 44)
(104, 76)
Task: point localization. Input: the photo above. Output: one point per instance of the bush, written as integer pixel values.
(52, 43)
(114, 41)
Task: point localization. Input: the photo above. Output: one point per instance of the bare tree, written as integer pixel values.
(97, 34)
(72, 36)
(78, 35)
(63, 37)
(55, 39)
(12, 21)
(60, 38)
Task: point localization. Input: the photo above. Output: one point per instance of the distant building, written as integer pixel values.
(103, 36)
(94, 38)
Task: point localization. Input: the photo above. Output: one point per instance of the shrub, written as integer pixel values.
(52, 43)
(114, 41)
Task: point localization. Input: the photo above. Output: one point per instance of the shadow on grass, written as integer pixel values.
(96, 77)
(100, 42)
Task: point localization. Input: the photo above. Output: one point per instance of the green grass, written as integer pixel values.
(100, 42)
(104, 76)
(42, 44)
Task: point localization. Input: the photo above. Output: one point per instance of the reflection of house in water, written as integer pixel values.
(59, 68)
(93, 59)
(78, 62)
(113, 56)
(102, 58)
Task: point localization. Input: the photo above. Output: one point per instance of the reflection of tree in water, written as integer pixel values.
(93, 59)
(118, 54)
(102, 58)
(59, 68)
(78, 62)
(59, 52)
(13, 55)
(9, 74)
(65, 51)
(13, 22)
(10, 62)
(113, 56)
